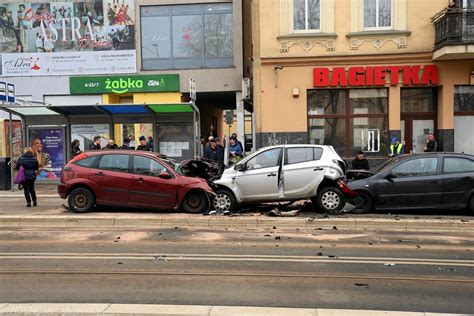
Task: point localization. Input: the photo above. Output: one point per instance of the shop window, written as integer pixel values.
(418, 100)
(306, 15)
(464, 119)
(349, 120)
(187, 36)
(378, 14)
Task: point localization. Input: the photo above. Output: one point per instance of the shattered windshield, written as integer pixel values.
(173, 164)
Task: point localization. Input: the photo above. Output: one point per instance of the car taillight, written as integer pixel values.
(78, 157)
(345, 189)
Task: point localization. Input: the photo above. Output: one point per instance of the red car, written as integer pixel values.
(131, 179)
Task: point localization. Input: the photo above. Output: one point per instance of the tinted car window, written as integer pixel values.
(114, 163)
(268, 158)
(458, 165)
(416, 167)
(147, 166)
(86, 162)
(296, 155)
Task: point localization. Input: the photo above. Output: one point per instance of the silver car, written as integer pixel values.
(283, 173)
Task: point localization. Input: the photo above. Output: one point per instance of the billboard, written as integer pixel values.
(48, 28)
(48, 146)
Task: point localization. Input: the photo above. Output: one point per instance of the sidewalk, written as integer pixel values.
(42, 190)
(196, 310)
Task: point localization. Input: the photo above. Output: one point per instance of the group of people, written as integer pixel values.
(396, 148)
(214, 149)
(145, 145)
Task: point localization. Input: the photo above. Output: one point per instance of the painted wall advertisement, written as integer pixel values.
(45, 38)
(48, 146)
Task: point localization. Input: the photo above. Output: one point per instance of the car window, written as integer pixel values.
(146, 166)
(457, 165)
(416, 167)
(86, 162)
(266, 159)
(114, 163)
(302, 154)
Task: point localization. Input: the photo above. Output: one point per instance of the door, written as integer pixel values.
(414, 131)
(112, 179)
(148, 189)
(457, 179)
(415, 184)
(261, 179)
(302, 171)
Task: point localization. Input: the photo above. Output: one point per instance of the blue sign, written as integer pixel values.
(3, 91)
(7, 92)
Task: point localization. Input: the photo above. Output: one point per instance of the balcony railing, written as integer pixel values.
(454, 27)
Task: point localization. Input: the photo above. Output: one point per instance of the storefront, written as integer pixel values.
(362, 106)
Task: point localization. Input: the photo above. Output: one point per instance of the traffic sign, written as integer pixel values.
(7, 92)
(192, 89)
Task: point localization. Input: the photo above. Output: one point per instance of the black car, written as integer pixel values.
(418, 181)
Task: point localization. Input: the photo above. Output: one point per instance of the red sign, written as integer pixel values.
(375, 76)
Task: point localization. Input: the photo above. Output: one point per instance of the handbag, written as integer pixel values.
(20, 176)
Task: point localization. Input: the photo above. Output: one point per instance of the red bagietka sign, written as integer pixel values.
(375, 76)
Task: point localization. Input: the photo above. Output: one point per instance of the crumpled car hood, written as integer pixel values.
(202, 168)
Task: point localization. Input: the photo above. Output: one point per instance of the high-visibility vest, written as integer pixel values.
(399, 148)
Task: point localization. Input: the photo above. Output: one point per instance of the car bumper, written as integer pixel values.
(62, 190)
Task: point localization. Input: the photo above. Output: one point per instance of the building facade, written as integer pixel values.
(356, 73)
(96, 53)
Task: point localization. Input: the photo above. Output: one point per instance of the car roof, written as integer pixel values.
(295, 146)
(126, 152)
(450, 154)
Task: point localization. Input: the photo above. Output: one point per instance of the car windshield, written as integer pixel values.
(173, 164)
(379, 168)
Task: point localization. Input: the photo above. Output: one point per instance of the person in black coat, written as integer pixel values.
(360, 162)
(30, 165)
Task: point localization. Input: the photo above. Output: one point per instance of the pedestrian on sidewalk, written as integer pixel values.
(30, 165)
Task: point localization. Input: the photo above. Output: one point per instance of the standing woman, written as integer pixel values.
(30, 165)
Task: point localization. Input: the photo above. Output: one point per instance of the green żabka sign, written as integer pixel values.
(124, 84)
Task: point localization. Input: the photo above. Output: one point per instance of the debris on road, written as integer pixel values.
(362, 284)
(278, 213)
(389, 264)
(161, 258)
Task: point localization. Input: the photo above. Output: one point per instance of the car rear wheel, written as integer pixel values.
(81, 200)
(224, 201)
(195, 202)
(364, 203)
(330, 200)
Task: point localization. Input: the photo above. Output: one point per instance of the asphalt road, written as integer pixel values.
(429, 272)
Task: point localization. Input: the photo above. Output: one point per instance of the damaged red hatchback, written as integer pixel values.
(131, 179)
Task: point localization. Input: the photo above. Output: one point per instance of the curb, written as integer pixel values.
(159, 221)
(197, 310)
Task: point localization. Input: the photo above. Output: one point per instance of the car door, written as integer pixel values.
(414, 183)
(112, 179)
(260, 180)
(148, 189)
(457, 180)
(302, 171)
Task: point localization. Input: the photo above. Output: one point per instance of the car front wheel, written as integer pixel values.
(81, 200)
(224, 201)
(330, 200)
(195, 202)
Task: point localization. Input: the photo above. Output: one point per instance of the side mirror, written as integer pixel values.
(164, 175)
(240, 167)
(390, 176)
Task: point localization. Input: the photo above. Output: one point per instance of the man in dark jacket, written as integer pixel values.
(126, 144)
(96, 144)
(213, 152)
(30, 165)
(432, 144)
(360, 162)
(143, 144)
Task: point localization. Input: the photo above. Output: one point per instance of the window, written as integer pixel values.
(458, 165)
(187, 36)
(302, 154)
(464, 119)
(306, 15)
(416, 168)
(418, 100)
(114, 163)
(378, 14)
(147, 167)
(350, 120)
(86, 162)
(267, 159)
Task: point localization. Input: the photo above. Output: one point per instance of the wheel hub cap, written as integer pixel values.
(330, 200)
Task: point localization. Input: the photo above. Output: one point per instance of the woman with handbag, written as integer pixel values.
(30, 166)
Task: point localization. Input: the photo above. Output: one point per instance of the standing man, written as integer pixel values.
(143, 144)
(432, 144)
(126, 144)
(212, 131)
(360, 162)
(396, 148)
(96, 144)
(211, 151)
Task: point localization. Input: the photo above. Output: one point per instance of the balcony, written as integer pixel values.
(454, 34)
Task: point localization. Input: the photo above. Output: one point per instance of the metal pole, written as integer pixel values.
(11, 153)
(254, 131)
(197, 123)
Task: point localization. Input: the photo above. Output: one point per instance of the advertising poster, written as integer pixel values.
(48, 146)
(43, 29)
(85, 134)
(5, 139)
